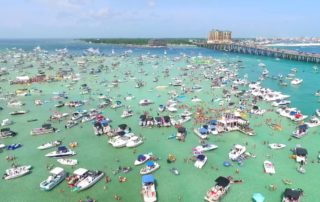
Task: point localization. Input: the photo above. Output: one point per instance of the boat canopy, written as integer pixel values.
(46, 125)
(147, 178)
(141, 157)
(303, 127)
(181, 130)
(150, 163)
(201, 157)
(203, 130)
(301, 151)
(213, 122)
(80, 171)
(56, 170)
(62, 148)
(222, 181)
(122, 126)
(292, 193)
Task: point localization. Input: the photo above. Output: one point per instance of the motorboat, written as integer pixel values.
(56, 176)
(50, 145)
(279, 103)
(61, 152)
(300, 155)
(313, 122)
(145, 102)
(296, 81)
(301, 131)
(269, 167)
(16, 172)
(68, 162)
(134, 141)
(236, 152)
(141, 159)
(218, 190)
(151, 166)
(71, 124)
(171, 109)
(126, 113)
(2, 146)
(6, 132)
(45, 129)
(15, 103)
(14, 146)
(88, 179)
(148, 188)
(277, 146)
(201, 133)
(292, 195)
(205, 147)
(120, 141)
(116, 105)
(19, 112)
(6, 122)
(200, 161)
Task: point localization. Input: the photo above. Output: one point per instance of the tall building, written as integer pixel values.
(218, 36)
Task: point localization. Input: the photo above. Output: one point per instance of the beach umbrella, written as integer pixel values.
(258, 197)
(150, 163)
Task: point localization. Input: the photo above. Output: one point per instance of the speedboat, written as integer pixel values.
(45, 129)
(57, 175)
(292, 195)
(218, 190)
(314, 122)
(15, 103)
(134, 141)
(301, 131)
(20, 112)
(205, 147)
(145, 102)
(71, 124)
(151, 166)
(171, 109)
(16, 172)
(6, 122)
(269, 167)
(116, 105)
(149, 188)
(201, 161)
(6, 132)
(87, 180)
(142, 158)
(120, 141)
(61, 152)
(277, 146)
(296, 81)
(200, 132)
(14, 146)
(50, 145)
(236, 152)
(68, 162)
(278, 103)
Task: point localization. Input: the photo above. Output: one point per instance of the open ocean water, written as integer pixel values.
(95, 153)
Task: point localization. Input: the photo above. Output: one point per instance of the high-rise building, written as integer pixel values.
(218, 36)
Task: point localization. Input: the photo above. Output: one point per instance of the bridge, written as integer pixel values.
(253, 49)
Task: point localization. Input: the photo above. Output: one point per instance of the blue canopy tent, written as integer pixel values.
(147, 179)
(150, 163)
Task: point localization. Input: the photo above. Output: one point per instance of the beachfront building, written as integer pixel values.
(218, 36)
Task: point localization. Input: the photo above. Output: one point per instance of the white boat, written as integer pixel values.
(219, 190)
(296, 81)
(61, 152)
(201, 161)
(15, 103)
(236, 152)
(150, 167)
(278, 103)
(162, 108)
(141, 159)
(205, 147)
(269, 167)
(313, 122)
(148, 189)
(68, 162)
(119, 141)
(88, 180)
(2, 146)
(171, 109)
(201, 135)
(277, 146)
(145, 102)
(50, 145)
(196, 100)
(301, 131)
(6, 122)
(134, 141)
(126, 113)
(45, 129)
(56, 176)
(16, 172)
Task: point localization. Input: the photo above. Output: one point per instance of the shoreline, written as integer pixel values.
(293, 44)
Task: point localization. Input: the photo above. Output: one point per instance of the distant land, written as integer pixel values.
(142, 41)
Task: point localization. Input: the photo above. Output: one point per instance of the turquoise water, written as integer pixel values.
(95, 153)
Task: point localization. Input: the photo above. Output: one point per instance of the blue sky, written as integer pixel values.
(157, 18)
